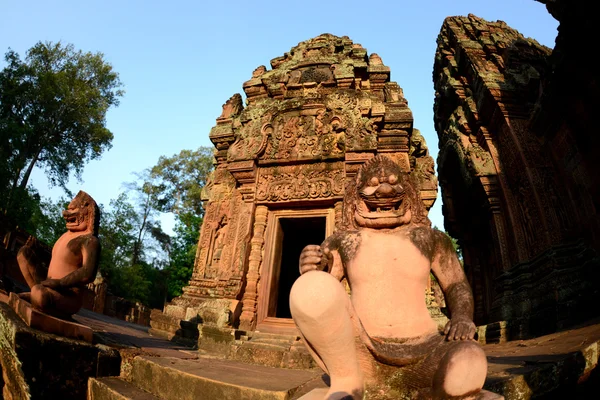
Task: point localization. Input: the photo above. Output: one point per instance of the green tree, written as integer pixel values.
(117, 235)
(129, 258)
(183, 253)
(181, 178)
(53, 107)
(147, 203)
(47, 222)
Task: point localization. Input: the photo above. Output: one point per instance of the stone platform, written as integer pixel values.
(47, 323)
(560, 365)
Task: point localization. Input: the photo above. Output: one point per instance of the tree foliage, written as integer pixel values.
(183, 253)
(140, 261)
(53, 107)
(180, 180)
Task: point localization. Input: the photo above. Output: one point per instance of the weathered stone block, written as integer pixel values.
(216, 312)
(39, 365)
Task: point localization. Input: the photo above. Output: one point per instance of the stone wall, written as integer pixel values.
(518, 193)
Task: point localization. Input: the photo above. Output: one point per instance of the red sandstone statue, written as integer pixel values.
(387, 255)
(74, 261)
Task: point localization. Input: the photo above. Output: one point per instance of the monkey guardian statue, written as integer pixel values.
(74, 261)
(386, 252)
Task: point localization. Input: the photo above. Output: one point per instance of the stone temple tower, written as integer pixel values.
(282, 164)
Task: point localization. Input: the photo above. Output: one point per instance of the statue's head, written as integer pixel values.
(384, 196)
(82, 214)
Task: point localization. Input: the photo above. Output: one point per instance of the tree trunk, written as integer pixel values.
(20, 186)
(25, 179)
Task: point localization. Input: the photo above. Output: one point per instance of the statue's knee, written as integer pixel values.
(40, 298)
(463, 369)
(315, 292)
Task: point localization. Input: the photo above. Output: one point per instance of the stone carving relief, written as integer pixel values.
(352, 109)
(300, 182)
(249, 144)
(305, 136)
(220, 260)
(219, 186)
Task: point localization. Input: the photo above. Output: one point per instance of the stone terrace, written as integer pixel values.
(545, 367)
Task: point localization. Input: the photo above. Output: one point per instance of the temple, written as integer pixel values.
(282, 165)
(518, 174)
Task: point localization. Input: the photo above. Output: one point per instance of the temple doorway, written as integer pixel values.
(288, 232)
(295, 234)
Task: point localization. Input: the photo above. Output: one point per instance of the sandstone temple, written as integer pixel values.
(282, 164)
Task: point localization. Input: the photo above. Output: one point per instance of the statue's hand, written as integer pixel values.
(313, 258)
(459, 328)
(51, 283)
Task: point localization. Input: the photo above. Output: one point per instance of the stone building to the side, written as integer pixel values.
(519, 170)
(282, 164)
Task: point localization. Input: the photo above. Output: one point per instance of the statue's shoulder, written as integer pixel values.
(430, 241)
(337, 238)
(346, 242)
(425, 239)
(88, 240)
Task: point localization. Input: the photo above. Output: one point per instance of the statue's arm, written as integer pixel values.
(28, 253)
(456, 288)
(90, 252)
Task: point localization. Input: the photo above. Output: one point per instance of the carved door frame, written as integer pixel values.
(273, 239)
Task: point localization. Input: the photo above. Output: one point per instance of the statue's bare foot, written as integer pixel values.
(328, 394)
(487, 395)
(345, 389)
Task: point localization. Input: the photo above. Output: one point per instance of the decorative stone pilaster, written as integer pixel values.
(249, 301)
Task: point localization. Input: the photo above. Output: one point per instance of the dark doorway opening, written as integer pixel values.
(294, 235)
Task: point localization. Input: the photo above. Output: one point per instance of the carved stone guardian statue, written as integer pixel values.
(383, 335)
(74, 262)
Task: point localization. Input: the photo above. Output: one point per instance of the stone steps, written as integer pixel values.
(169, 378)
(114, 388)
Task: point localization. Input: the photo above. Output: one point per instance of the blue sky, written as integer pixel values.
(181, 60)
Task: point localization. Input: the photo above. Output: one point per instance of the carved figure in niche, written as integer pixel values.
(386, 252)
(74, 262)
(219, 241)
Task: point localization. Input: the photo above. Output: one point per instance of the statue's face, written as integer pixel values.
(76, 216)
(383, 201)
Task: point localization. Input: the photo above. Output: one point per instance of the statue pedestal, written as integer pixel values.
(44, 322)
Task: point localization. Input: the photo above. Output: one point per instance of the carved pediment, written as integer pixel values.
(300, 182)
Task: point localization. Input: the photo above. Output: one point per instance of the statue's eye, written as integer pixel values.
(392, 179)
(374, 181)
